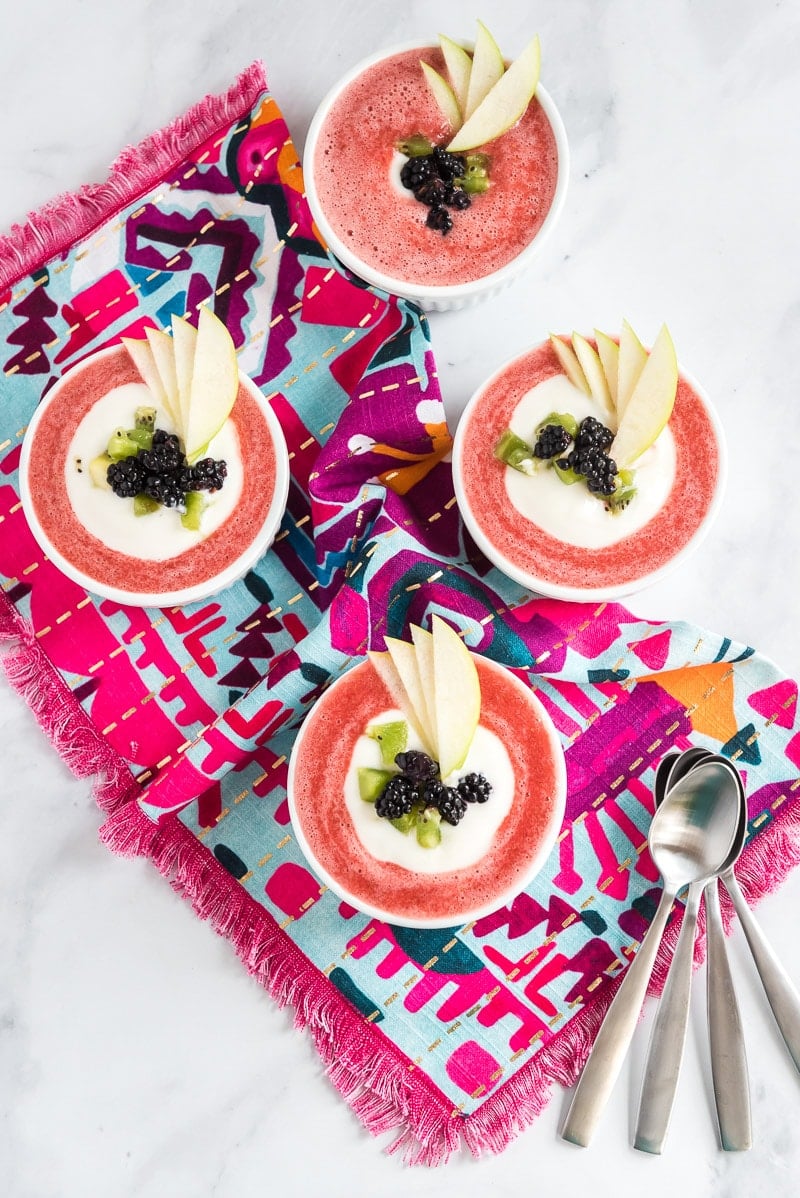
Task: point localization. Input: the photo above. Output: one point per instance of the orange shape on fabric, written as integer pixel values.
(707, 694)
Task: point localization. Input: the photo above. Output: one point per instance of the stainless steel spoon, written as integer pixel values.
(729, 1064)
(690, 837)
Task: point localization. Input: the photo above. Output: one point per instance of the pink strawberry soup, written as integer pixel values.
(175, 562)
(683, 472)
(353, 179)
(329, 835)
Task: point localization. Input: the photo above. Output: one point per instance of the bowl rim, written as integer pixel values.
(567, 592)
(185, 595)
(431, 292)
(459, 917)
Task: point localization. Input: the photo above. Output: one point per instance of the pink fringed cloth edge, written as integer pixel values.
(57, 225)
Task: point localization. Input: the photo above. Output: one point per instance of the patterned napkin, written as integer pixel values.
(187, 715)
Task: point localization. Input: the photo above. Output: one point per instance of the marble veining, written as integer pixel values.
(137, 1060)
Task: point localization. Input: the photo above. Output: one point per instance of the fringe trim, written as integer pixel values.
(369, 1071)
(70, 217)
(59, 714)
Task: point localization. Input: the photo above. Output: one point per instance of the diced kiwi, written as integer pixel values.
(98, 471)
(515, 452)
(371, 782)
(391, 736)
(429, 834)
(194, 509)
(120, 445)
(620, 498)
(145, 417)
(473, 184)
(566, 474)
(143, 437)
(563, 419)
(144, 505)
(405, 822)
(416, 146)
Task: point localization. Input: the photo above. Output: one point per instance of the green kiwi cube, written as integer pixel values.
(121, 446)
(566, 474)
(194, 509)
(474, 184)
(429, 834)
(372, 782)
(98, 471)
(392, 737)
(145, 417)
(515, 452)
(563, 419)
(405, 823)
(144, 505)
(416, 146)
(142, 437)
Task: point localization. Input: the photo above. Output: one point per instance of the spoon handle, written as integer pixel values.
(608, 1052)
(728, 1056)
(668, 1037)
(781, 994)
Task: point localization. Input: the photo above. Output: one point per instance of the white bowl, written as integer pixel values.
(112, 584)
(539, 561)
(325, 830)
(435, 298)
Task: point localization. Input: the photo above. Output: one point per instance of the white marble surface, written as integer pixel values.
(137, 1060)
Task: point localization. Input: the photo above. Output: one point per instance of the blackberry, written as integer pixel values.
(449, 166)
(600, 474)
(126, 477)
(164, 488)
(456, 197)
(446, 799)
(416, 171)
(417, 767)
(163, 458)
(432, 191)
(593, 435)
(552, 441)
(474, 788)
(396, 798)
(440, 220)
(208, 474)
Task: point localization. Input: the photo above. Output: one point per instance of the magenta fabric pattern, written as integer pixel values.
(188, 715)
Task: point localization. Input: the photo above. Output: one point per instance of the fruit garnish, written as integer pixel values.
(443, 94)
(515, 452)
(608, 350)
(504, 104)
(143, 357)
(215, 383)
(164, 357)
(143, 505)
(459, 68)
(457, 696)
(145, 417)
(123, 444)
(98, 471)
(415, 146)
(372, 782)
(650, 405)
(184, 347)
(392, 738)
(194, 504)
(387, 670)
(564, 419)
(593, 371)
(429, 833)
(423, 649)
(570, 364)
(486, 69)
(632, 358)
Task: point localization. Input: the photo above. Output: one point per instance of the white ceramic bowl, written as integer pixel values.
(229, 565)
(325, 829)
(435, 298)
(539, 561)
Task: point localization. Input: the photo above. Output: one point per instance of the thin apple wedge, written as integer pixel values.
(650, 406)
(164, 356)
(443, 94)
(593, 371)
(608, 350)
(423, 648)
(459, 68)
(457, 697)
(184, 345)
(215, 384)
(570, 364)
(386, 669)
(503, 106)
(632, 358)
(487, 69)
(404, 657)
(141, 353)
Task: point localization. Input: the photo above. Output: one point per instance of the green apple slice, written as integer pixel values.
(457, 696)
(503, 106)
(443, 94)
(608, 350)
(423, 647)
(570, 364)
(214, 384)
(385, 667)
(487, 69)
(459, 68)
(650, 406)
(141, 354)
(164, 356)
(184, 345)
(592, 368)
(632, 358)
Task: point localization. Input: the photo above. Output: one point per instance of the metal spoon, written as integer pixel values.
(729, 1065)
(690, 837)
